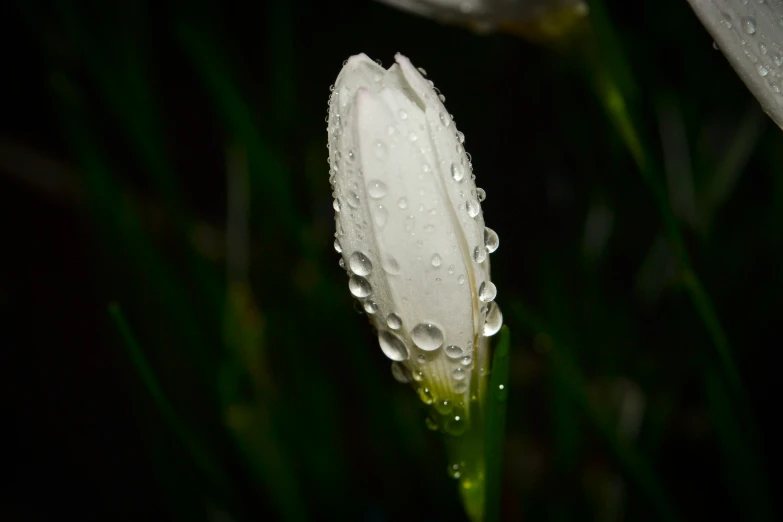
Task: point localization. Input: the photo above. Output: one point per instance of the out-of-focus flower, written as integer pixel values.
(750, 34)
(538, 20)
(411, 231)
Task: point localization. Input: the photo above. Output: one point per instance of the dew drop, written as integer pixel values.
(392, 346)
(451, 269)
(473, 207)
(360, 264)
(390, 265)
(453, 351)
(425, 395)
(413, 137)
(402, 203)
(402, 114)
(494, 320)
(479, 254)
(353, 199)
(422, 71)
(481, 194)
(381, 216)
(461, 279)
(418, 376)
(762, 48)
(435, 260)
(460, 137)
(337, 247)
(778, 59)
(442, 98)
(763, 71)
(393, 321)
(444, 407)
(458, 373)
(379, 150)
(400, 373)
(454, 471)
(427, 336)
(460, 387)
(491, 240)
(445, 120)
(456, 172)
(487, 291)
(359, 286)
(336, 205)
(341, 262)
(456, 425)
(466, 360)
(370, 306)
(410, 223)
(749, 25)
(376, 189)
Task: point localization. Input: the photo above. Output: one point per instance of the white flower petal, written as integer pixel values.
(404, 227)
(750, 34)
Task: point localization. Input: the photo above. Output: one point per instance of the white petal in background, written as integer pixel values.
(750, 34)
(485, 14)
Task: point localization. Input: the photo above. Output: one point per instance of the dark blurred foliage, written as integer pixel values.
(180, 342)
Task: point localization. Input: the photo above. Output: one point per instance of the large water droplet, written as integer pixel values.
(359, 286)
(466, 360)
(336, 205)
(479, 254)
(460, 137)
(400, 373)
(473, 207)
(427, 336)
(390, 265)
(370, 306)
(458, 373)
(491, 240)
(494, 320)
(481, 194)
(392, 346)
(360, 264)
(456, 172)
(337, 246)
(435, 260)
(353, 199)
(749, 25)
(453, 351)
(394, 321)
(379, 150)
(376, 189)
(487, 291)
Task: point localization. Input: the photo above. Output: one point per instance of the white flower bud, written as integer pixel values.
(410, 227)
(750, 34)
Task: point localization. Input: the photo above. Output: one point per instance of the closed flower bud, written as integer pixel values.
(750, 34)
(411, 231)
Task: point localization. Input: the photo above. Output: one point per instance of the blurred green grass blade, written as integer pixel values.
(495, 426)
(574, 384)
(745, 472)
(203, 459)
(611, 73)
(278, 198)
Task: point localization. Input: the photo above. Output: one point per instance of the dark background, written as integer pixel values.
(261, 394)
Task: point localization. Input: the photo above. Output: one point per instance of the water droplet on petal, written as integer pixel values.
(436, 260)
(376, 189)
(487, 291)
(422, 71)
(336, 205)
(460, 137)
(466, 360)
(425, 395)
(337, 246)
(479, 254)
(491, 240)
(413, 137)
(381, 216)
(393, 321)
(494, 320)
(456, 172)
(360, 264)
(402, 114)
(400, 373)
(445, 120)
(481, 194)
(370, 306)
(458, 373)
(359, 286)
(341, 262)
(473, 207)
(353, 199)
(453, 351)
(763, 71)
(402, 203)
(379, 150)
(461, 279)
(390, 265)
(442, 98)
(392, 346)
(427, 336)
(749, 25)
